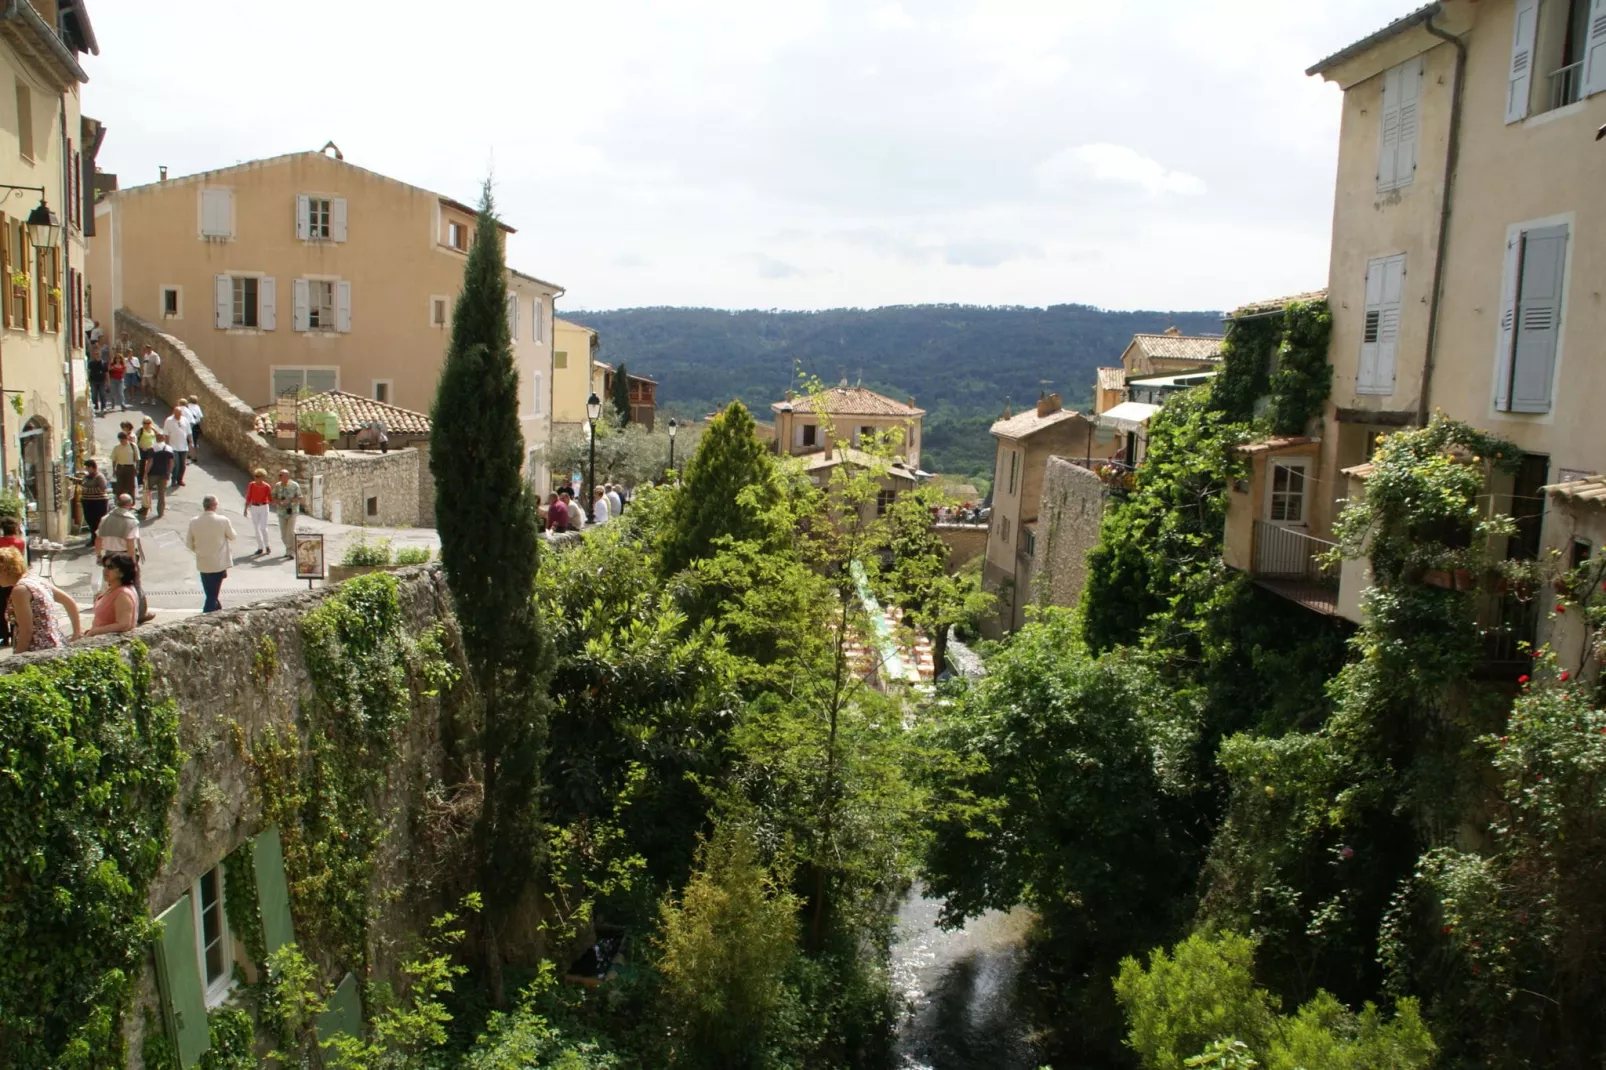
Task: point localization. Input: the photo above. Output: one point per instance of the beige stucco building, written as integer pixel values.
(846, 415)
(1468, 258)
(573, 371)
(44, 145)
(305, 270)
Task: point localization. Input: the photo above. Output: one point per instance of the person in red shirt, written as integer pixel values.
(258, 498)
(119, 368)
(557, 515)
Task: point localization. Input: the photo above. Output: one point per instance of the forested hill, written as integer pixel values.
(958, 361)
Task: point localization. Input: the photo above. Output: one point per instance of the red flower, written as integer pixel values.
(1560, 608)
(1565, 676)
(1507, 739)
(1347, 853)
(1522, 679)
(1447, 930)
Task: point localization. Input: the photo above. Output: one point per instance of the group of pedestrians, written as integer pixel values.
(120, 377)
(563, 511)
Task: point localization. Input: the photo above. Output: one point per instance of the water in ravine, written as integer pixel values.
(961, 986)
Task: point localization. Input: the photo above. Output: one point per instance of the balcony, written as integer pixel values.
(1288, 561)
(1566, 85)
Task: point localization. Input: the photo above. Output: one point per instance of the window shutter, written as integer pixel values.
(1410, 92)
(273, 892)
(513, 316)
(1388, 330)
(343, 305)
(337, 219)
(344, 1013)
(537, 318)
(1520, 75)
(267, 303)
(1388, 154)
(303, 216)
(5, 257)
(1595, 50)
(178, 972)
(216, 221)
(225, 302)
(537, 378)
(303, 300)
(1538, 320)
(1508, 319)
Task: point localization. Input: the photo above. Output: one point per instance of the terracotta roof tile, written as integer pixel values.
(1591, 490)
(1275, 304)
(1272, 445)
(850, 401)
(355, 413)
(1112, 378)
(1026, 423)
(1179, 346)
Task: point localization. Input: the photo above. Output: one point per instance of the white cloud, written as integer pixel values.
(892, 17)
(1117, 165)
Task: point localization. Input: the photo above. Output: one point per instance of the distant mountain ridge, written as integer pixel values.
(960, 362)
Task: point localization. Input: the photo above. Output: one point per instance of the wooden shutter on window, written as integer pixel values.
(1520, 74)
(223, 288)
(53, 290)
(337, 219)
(303, 216)
(303, 301)
(273, 892)
(267, 303)
(5, 265)
(344, 1014)
(1538, 318)
(178, 973)
(343, 306)
(1595, 50)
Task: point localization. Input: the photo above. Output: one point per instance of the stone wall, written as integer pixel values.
(1068, 518)
(965, 542)
(399, 479)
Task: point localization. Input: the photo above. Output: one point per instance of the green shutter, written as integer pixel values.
(179, 972)
(345, 1011)
(273, 894)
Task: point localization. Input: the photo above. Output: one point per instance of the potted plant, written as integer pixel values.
(309, 434)
(19, 283)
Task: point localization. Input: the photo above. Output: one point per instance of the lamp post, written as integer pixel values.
(672, 428)
(593, 411)
(43, 233)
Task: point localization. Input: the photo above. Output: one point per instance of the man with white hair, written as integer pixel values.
(211, 539)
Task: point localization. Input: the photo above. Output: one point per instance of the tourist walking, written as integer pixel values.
(29, 609)
(119, 532)
(117, 604)
(158, 469)
(10, 535)
(125, 465)
(287, 505)
(211, 539)
(115, 371)
(258, 503)
(192, 408)
(177, 429)
(97, 378)
(94, 495)
(131, 378)
(150, 372)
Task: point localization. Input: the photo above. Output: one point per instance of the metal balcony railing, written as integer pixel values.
(1290, 554)
(1566, 85)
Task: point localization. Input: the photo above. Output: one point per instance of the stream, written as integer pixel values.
(960, 986)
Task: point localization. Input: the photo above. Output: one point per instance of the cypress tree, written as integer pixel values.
(621, 395)
(487, 522)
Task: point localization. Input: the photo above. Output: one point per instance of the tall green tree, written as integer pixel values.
(726, 491)
(489, 546)
(621, 395)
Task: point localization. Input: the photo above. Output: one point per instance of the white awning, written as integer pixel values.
(1129, 416)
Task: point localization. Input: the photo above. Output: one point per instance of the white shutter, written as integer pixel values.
(1520, 74)
(537, 317)
(1366, 377)
(303, 217)
(337, 219)
(1538, 321)
(343, 305)
(1508, 320)
(216, 214)
(303, 303)
(225, 302)
(267, 303)
(536, 382)
(512, 316)
(1595, 50)
(1388, 330)
(1388, 153)
(1410, 109)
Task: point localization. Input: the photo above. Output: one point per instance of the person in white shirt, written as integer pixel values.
(193, 410)
(177, 429)
(151, 362)
(599, 507)
(211, 539)
(615, 506)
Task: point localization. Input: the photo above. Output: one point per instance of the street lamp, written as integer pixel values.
(672, 427)
(44, 229)
(593, 411)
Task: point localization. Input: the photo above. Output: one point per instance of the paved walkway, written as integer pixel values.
(172, 586)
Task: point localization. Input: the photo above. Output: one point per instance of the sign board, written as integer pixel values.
(309, 555)
(284, 417)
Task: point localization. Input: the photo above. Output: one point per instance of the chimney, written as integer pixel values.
(163, 170)
(1007, 413)
(1048, 404)
(1173, 330)
(911, 401)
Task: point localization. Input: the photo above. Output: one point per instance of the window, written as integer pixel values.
(1582, 552)
(14, 234)
(1031, 542)
(1287, 500)
(246, 306)
(437, 311)
(212, 935)
(539, 394)
(1004, 528)
(1014, 468)
(866, 436)
(1396, 162)
(47, 269)
(170, 302)
(382, 390)
(883, 501)
(560, 359)
(1558, 55)
(217, 213)
(457, 236)
(1380, 333)
(317, 218)
(320, 305)
(24, 122)
(313, 380)
(810, 434)
(1532, 288)
(371, 506)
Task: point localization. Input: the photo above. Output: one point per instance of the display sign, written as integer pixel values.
(309, 555)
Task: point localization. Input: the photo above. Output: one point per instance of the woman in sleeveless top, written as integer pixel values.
(117, 605)
(33, 618)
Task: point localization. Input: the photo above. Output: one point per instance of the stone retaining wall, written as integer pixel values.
(400, 479)
(1068, 520)
(966, 542)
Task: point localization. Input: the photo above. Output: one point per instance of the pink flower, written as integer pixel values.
(1347, 853)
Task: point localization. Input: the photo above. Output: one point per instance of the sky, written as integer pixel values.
(1161, 154)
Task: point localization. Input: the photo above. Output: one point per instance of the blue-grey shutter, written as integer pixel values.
(273, 892)
(1520, 76)
(1538, 318)
(178, 973)
(1595, 50)
(344, 1013)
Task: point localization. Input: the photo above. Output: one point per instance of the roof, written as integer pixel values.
(1128, 416)
(1176, 379)
(849, 401)
(822, 460)
(601, 365)
(539, 282)
(1027, 423)
(1393, 29)
(1591, 490)
(1179, 346)
(1112, 378)
(1276, 445)
(1360, 471)
(1275, 304)
(355, 413)
(559, 321)
(37, 41)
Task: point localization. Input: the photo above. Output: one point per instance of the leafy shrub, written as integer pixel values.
(412, 555)
(363, 552)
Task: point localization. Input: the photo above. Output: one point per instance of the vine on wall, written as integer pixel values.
(89, 767)
(1274, 368)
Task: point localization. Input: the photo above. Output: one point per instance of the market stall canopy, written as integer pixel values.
(1129, 417)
